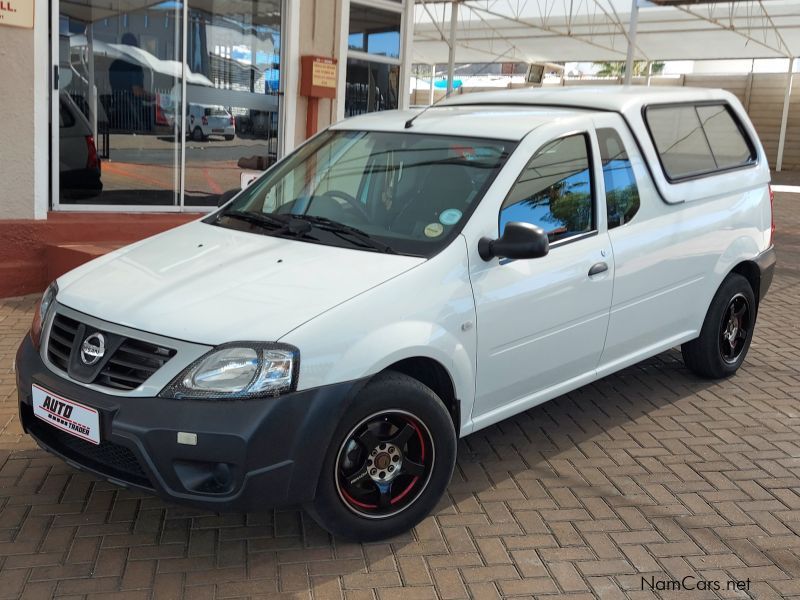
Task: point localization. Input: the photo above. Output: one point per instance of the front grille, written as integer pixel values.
(133, 363)
(62, 337)
(110, 459)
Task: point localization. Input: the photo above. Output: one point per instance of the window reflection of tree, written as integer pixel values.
(566, 201)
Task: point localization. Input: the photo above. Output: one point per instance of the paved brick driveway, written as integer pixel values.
(648, 473)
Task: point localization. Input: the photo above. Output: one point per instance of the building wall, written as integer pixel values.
(16, 134)
(318, 36)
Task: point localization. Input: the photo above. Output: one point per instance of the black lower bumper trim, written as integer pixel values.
(107, 459)
(249, 454)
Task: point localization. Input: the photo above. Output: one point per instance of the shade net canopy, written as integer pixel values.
(597, 30)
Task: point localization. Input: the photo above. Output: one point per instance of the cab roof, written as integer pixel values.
(495, 122)
(512, 114)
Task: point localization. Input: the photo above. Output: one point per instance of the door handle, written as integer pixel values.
(598, 268)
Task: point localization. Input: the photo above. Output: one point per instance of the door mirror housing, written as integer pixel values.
(519, 241)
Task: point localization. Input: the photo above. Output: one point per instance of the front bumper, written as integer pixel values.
(249, 455)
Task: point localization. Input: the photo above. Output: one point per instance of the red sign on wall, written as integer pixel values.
(318, 77)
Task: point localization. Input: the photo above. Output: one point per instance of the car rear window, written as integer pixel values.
(65, 118)
(697, 139)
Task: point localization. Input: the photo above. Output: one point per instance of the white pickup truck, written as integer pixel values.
(400, 280)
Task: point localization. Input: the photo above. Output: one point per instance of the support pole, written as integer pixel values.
(91, 83)
(406, 52)
(312, 117)
(631, 41)
(451, 57)
(433, 81)
(785, 116)
(649, 72)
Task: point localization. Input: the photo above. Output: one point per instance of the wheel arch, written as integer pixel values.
(434, 375)
(750, 271)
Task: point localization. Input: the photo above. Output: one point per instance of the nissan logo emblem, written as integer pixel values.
(93, 349)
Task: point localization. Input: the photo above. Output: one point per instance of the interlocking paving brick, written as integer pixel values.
(649, 473)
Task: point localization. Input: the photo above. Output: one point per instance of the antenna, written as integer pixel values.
(410, 122)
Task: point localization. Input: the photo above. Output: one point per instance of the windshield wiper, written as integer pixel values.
(340, 229)
(262, 219)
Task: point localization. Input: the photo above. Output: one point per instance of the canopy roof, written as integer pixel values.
(596, 30)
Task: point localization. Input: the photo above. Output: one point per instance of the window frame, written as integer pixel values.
(592, 186)
(752, 162)
(602, 171)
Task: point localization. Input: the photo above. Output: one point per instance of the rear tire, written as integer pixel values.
(389, 461)
(197, 135)
(727, 331)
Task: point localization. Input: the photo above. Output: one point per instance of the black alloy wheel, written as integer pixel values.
(734, 328)
(727, 331)
(388, 462)
(384, 464)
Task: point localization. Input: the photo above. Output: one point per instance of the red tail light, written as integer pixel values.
(205, 120)
(771, 215)
(92, 160)
(233, 120)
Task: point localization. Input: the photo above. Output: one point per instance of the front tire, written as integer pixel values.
(727, 331)
(388, 463)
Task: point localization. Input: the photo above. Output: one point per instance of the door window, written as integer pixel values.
(622, 195)
(554, 191)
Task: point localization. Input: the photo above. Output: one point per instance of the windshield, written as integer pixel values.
(379, 191)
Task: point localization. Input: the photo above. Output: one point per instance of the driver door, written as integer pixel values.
(542, 322)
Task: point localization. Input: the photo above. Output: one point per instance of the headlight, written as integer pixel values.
(40, 315)
(238, 370)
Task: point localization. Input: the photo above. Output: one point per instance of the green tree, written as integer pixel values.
(617, 69)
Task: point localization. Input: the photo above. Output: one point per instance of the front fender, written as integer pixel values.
(410, 339)
(427, 312)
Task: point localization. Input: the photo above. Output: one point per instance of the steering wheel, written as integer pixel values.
(351, 200)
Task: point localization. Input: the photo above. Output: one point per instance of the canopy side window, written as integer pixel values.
(698, 139)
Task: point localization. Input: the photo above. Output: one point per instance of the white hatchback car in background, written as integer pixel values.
(203, 121)
(400, 280)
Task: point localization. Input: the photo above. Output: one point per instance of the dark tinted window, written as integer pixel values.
(371, 86)
(680, 141)
(622, 195)
(727, 143)
(697, 139)
(554, 191)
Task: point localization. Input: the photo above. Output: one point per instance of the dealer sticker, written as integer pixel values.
(79, 420)
(433, 230)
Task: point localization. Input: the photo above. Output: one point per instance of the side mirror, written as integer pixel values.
(519, 240)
